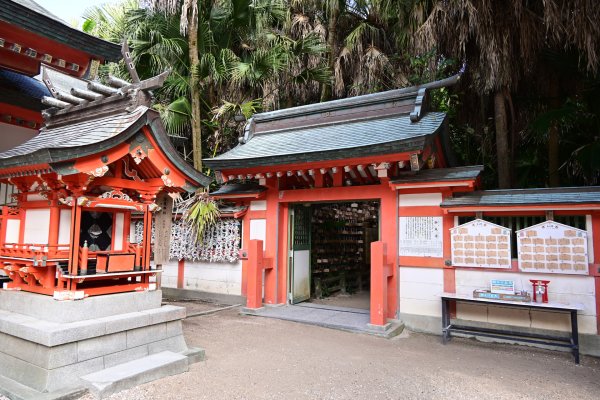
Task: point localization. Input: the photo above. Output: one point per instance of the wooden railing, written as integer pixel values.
(31, 250)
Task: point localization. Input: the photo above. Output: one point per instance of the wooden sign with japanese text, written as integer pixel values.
(553, 247)
(480, 244)
(421, 237)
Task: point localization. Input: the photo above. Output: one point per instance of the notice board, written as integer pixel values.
(421, 237)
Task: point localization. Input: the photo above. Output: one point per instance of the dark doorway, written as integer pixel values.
(330, 252)
(96, 229)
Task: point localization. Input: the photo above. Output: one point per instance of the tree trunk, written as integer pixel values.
(553, 156)
(334, 13)
(502, 147)
(195, 93)
(553, 136)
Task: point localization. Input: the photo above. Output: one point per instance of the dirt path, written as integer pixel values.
(258, 358)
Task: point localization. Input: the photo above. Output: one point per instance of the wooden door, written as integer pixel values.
(300, 254)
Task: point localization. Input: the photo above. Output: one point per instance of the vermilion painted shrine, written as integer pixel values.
(359, 196)
(98, 158)
(68, 194)
(434, 230)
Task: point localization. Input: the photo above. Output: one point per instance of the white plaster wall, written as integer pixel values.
(64, 227)
(590, 238)
(420, 290)
(118, 239)
(37, 226)
(562, 288)
(223, 278)
(12, 230)
(258, 205)
(258, 230)
(420, 199)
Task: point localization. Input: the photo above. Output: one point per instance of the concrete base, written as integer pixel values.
(47, 353)
(187, 294)
(388, 331)
(252, 311)
(588, 344)
(345, 319)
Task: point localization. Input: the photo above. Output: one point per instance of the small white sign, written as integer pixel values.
(502, 286)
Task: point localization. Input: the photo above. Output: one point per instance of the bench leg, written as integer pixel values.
(575, 336)
(445, 321)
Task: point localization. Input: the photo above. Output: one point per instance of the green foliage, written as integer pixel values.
(259, 55)
(578, 129)
(202, 214)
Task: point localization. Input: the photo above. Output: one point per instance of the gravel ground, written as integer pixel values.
(259, 358)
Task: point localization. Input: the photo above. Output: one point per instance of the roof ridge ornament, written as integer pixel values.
(421, 105)
(92, 98)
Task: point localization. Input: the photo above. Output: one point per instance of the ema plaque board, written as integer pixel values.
(551, 247)
(480, 244)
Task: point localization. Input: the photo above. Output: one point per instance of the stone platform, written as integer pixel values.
(48, 345)
(341, 318)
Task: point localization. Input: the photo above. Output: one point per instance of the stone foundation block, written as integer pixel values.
(48, 347)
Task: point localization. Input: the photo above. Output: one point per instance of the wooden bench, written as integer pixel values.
(571, 342)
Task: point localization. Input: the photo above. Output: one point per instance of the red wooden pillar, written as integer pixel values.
(380, 274)
(272, 239)
(54, 227)
(48, 281)
(147, 238)
(75, 234)
(3, 222)
(180, 273)
(284, 217)
(595, 270)
(245, 244)
(255, 268)
(449, 271)
(389, 235)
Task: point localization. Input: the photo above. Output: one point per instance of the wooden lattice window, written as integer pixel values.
(301, 237)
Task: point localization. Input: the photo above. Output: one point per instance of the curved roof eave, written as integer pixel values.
(150, 118)
(30, 18)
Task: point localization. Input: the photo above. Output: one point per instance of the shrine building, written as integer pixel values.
(31, 36)
(359, 203)
(101, 156)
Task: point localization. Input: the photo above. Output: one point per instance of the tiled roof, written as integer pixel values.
(335, 141)
(23, 84)
(239, 188)
(33, 6)
(29, 15)
(71, 141)
(383, 123)
(512, 197)
(62, 81)
(76, 136)
(441, 174)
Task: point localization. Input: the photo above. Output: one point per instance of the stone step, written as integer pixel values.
(15, 391)
(127, 375)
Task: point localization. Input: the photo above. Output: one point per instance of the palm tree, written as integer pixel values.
(188, 11)
(502, 44)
